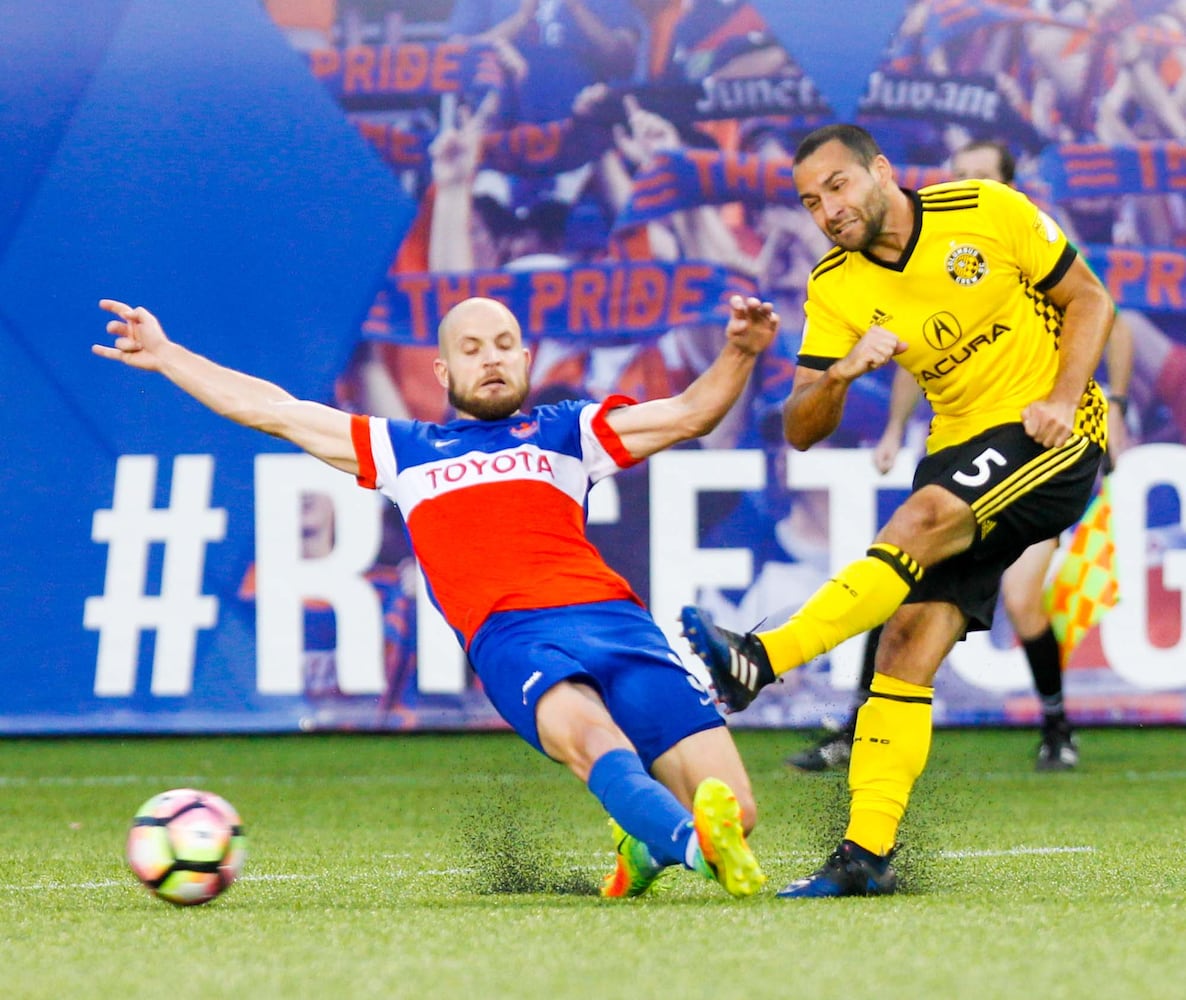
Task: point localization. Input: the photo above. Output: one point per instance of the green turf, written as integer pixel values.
(466, 866)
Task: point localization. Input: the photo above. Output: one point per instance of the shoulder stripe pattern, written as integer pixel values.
(949, 199)
(832, 259)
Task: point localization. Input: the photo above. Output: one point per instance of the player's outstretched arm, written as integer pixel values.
(140, 342)
(659, 423)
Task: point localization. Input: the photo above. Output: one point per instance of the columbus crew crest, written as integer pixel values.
(966, 265)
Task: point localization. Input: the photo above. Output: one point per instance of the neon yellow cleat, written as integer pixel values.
(635, 872)
(725, 855)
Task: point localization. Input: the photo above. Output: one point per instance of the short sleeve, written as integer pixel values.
(1037, 243)
(371, 437)
(602, 451)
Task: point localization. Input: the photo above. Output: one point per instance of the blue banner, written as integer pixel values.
(603, 304)
(686, 178)
(1094, 170)
(272, 197)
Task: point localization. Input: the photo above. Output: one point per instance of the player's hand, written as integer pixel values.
(886, 451)
(877, 348)
(752, 324)
(1050, 424)
(139, 339)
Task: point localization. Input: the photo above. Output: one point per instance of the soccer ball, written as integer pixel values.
(186, 846)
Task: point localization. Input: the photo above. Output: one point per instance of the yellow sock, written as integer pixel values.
(889, 752)
(861, 596)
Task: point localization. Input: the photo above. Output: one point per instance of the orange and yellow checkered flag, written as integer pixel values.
(1085, 585)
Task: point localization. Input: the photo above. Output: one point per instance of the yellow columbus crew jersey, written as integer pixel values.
(968, 297)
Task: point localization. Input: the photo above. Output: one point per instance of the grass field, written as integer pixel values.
(467, 866)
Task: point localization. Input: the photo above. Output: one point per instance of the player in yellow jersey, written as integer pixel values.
(1024, 581)
(976, 292)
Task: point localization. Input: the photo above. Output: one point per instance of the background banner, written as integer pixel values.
(300, 188)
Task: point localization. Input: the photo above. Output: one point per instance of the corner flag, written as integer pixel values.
(1085, 585)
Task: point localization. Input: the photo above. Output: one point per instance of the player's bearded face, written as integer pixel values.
(845, 197)
(492, 393)
(858, 225)
(483, 365)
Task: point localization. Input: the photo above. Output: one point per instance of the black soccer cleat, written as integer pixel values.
(1059, 750)
(833, 751)
(849, 871)
(738, 664)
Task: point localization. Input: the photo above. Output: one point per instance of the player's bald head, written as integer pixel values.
(476, 315)
(483, 363)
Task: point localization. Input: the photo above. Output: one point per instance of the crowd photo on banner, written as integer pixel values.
(614, 171)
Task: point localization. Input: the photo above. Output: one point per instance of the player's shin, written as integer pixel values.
(861, 596)
(641, 805)
(889, 752)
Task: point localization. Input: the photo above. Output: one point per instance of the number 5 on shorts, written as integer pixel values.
(990, 456)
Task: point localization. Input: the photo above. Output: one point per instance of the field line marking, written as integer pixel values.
(1016, 852)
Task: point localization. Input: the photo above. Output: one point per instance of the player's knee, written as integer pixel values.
(575, 728)
(931, 525)
(1024, 608)
(1028, 621)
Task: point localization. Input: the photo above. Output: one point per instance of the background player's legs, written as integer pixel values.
(1021, 591)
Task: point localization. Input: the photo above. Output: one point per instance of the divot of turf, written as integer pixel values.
(508, 856)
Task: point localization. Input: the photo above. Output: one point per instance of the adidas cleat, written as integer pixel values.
(850, 871)
(738, 664)
(724, 855)
(635, 870)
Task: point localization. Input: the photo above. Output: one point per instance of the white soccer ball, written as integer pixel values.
(186, 846)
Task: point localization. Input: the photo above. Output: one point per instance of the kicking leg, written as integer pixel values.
(933, 524)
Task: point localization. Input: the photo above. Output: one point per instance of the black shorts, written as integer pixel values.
(1019, 492)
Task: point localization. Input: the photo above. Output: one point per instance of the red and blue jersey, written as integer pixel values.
(496, 508)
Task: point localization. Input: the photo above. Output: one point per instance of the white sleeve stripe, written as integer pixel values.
(382, 453)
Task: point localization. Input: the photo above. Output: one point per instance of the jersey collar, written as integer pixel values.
(908, 250)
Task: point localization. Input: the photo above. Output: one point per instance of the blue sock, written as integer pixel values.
(643, 808)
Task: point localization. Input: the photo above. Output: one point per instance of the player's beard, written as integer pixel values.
(872, 213)
(495, 408)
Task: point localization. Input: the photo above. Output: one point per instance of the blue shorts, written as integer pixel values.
(616, 648)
